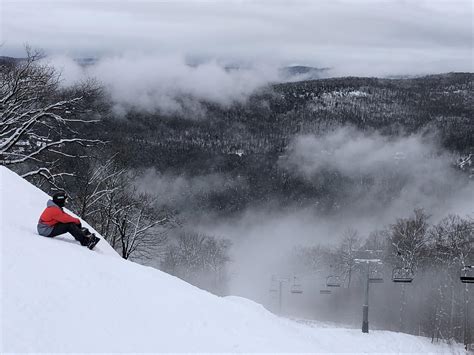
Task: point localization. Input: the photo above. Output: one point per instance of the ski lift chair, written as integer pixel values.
(376, 277)
(467, 274)
(402, 275)
(333, 281)
(296, 287)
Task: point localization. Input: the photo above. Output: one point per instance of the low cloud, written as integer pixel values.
(383, 178)
(180, 191)
(167, 84)
(354, 152)
(388, 175)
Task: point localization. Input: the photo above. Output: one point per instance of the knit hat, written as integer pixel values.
(59, 198)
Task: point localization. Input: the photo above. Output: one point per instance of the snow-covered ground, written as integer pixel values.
(57, 296)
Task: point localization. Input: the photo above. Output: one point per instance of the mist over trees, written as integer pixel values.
(434, 304)
(199, 259)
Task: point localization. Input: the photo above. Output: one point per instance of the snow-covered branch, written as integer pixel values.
(38, 119)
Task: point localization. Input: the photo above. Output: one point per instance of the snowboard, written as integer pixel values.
(93, 239)
(93, 242)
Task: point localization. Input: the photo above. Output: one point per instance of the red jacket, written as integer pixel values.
(53, 215)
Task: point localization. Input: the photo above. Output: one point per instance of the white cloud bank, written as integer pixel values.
(145, 47)
(363, 37)
(166, 83)
(401, 173)
(390, 175)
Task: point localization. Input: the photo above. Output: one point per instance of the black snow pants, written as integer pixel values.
(72, 228)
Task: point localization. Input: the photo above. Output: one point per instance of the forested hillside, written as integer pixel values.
(247, 142)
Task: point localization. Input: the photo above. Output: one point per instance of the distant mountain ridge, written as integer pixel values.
(9, 60)
(301, 73)
(286, 74)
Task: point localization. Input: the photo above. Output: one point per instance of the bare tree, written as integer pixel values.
(451, 240)
(110, 204)
(37, 118)
(96, 182)
(137, 221)
(408, 238)
(346, 253)
(200, 260)
(216, 260)
(451, 248)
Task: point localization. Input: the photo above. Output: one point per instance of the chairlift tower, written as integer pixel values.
(368, 257)
(467, 337)
(467, 277)
(280, 282)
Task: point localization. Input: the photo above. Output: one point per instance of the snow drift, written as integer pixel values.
(57, 296)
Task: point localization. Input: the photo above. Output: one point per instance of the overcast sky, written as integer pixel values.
(356, 37)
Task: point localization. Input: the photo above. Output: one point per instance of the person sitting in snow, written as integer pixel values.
(54, 221)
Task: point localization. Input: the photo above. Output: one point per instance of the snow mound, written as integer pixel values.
(57, 296)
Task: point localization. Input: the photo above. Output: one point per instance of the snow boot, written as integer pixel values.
(86, 231)
(93, 241)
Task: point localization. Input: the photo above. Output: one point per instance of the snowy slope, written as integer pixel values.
(59, 297)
